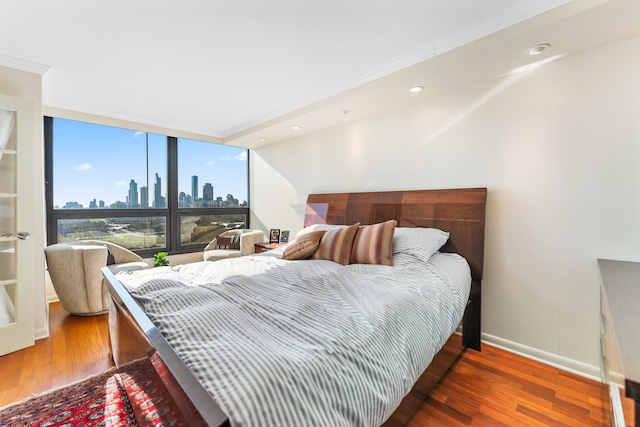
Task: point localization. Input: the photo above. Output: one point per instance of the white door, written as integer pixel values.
(17, 325)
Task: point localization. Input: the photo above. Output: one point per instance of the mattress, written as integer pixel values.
(305, 343)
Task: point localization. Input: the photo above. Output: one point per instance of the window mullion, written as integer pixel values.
(52, 230)
(172, 194)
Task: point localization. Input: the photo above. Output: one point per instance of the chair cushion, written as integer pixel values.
(128, 266)
(218, 254)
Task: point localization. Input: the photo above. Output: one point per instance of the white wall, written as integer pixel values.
(26, 85)
(558, 148)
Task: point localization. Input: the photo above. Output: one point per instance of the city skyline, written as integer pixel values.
(139, 199)
(95, 162)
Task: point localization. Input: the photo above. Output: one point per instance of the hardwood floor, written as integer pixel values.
(77, 347)
(490, 388)
(497, 388)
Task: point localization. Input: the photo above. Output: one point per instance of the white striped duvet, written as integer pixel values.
(305, 343)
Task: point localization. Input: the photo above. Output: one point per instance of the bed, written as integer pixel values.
(226, 384)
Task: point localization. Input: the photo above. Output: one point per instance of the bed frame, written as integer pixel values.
(142, 355)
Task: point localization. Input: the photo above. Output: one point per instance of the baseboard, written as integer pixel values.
(41, 333)
(560, 362)
(44, 332)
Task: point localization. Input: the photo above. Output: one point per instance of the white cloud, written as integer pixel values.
(121, 183)
(224, 159)
(83, 167)
(242, 156)
(210, 164)
(137, 134)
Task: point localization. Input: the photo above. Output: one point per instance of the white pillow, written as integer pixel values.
(318, 227)
(420, 242)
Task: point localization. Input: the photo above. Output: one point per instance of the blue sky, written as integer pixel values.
(98, 162)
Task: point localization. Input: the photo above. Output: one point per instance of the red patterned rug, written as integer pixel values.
(101, 400)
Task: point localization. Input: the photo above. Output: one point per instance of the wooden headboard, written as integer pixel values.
(461, 212)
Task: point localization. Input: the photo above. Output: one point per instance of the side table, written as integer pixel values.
(265, 246)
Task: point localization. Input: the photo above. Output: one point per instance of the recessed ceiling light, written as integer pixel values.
(296, 128)
(416, 89)
(262, 139)
(537, 49)
(344, 112)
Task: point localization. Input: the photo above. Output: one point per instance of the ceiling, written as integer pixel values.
(245, 72)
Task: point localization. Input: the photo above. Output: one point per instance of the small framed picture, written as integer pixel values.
(274, 235)
(284, 236)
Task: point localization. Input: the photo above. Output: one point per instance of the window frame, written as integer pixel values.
(171, 213)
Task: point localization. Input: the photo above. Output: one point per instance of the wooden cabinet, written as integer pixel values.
(620, 333)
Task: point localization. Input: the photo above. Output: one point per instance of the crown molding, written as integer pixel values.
(499, 23)
(83, 114)
(23, 65)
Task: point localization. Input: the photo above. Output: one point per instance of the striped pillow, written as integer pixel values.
(336, 245)
(304, 246)
(374, 244)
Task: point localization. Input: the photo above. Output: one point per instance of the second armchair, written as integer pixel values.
(233, 243)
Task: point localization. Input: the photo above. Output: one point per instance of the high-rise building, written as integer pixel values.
(194, 188)
(158, 200)
(101, 204)
(231, 201)
(144, 197)
(132, 199)
(93, 204)
(207, 192)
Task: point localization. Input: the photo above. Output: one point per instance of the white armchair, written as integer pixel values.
(233, 243)
(75, 271)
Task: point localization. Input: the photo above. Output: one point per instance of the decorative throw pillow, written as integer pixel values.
(336, 245)
(374, 244)
(228, 242)
(304, 246)
(110, 258)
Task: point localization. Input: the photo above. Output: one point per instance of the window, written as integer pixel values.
(143, 191)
